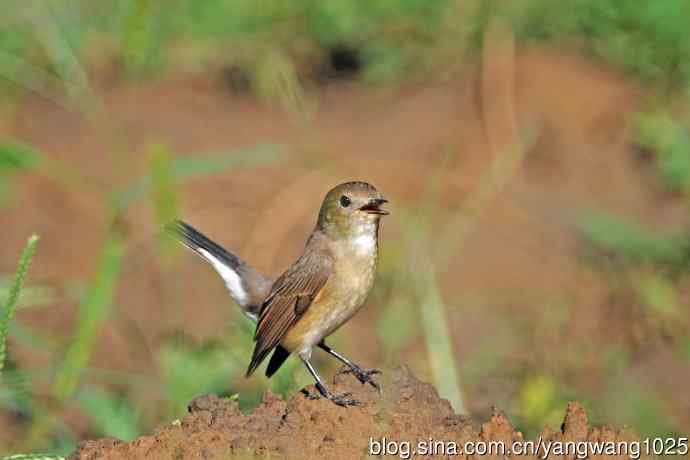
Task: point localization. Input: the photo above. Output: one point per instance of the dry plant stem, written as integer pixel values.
(502, 131)
(501, 128)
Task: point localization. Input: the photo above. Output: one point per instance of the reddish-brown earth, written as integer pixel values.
(407, 410)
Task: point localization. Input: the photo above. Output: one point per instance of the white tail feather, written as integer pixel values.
(232, 279)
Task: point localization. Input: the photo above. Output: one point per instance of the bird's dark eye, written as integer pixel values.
(345, 201)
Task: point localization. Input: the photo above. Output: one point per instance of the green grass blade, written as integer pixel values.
(631, 242)
(438, 341)
(110, 414)
(9, 307)
(29, 338)
(163, 194)
(17, 157)
(61, 47)
(35, 296)
(138, 41)
(214, 162)
(190, 167)
(192, 371)
(94, 310)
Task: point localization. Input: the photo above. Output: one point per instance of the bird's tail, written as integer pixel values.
(247, 286)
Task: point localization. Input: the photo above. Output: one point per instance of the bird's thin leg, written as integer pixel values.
(340, 400)
(363, 375)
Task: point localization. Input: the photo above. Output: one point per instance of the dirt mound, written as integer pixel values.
(407, 410)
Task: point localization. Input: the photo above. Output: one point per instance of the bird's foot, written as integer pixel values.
(339, 399)
(343, 400)
(363, 375)
(310, 395)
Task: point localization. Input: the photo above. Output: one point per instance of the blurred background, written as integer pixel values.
(536, 156)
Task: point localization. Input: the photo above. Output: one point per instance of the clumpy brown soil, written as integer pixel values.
(301, 428)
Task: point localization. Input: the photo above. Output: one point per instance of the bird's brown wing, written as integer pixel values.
(289, 298)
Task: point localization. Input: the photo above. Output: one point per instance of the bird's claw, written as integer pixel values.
(339, 399)
(310, 395)
(343, 400)
(363, 375)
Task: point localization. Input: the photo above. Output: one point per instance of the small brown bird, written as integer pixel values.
(318, 293)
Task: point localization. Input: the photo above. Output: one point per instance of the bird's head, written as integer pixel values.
(351, 209)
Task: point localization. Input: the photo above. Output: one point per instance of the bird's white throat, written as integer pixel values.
(365, 243)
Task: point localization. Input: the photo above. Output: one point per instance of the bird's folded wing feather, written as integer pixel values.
(290, 296)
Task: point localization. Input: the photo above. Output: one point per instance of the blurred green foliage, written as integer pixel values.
(658, 293)
(393, 38)
(187, 370)
(109, 412)
(685, 348)
(94, 311)
(33, 296)
(140, 37)
(648, 39)
(163, 190)
(630, 242)
(163, 181)
(650, 278)
(668, 140)
(654, 264)
(149, 37)
(640, 408)
(539, 402)
(417, 285)
(194, 371)
(14, 158)
(161, 174)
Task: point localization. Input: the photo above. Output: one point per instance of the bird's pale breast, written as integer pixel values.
(341, 297)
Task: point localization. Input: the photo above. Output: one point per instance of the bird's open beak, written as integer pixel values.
(374, 207)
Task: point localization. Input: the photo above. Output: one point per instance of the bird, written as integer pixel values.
(318, 293)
